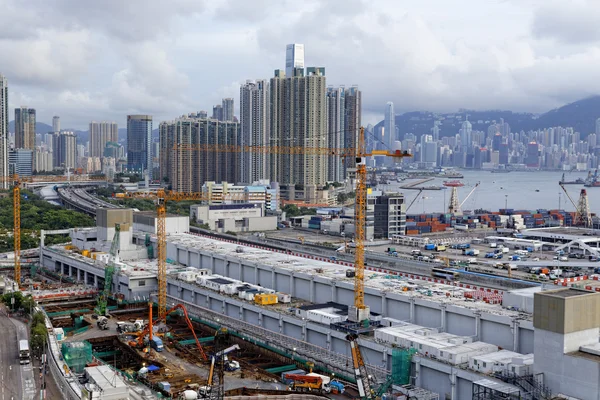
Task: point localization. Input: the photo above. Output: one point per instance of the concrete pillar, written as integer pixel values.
(95, 280)
(333, 291)
(417, 371)
(212, 264)
(227, 267)
(304, 336)
(256, 281)
(292, 291)
(384, 357)
(384, 304)
(260, 319)
(70, 270)
(515, 331)
(281, 324)
(443, 321)
(312, 289)
(189, 258)
(412, 310)
(241, 271)
(453, 393)
(273, 278)
(207, 301)
(477, 325)
(85, 277)
(241, 313)
(176, 254)
(329, 340)
(224, 307)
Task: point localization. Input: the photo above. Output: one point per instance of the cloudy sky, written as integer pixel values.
(97, 60)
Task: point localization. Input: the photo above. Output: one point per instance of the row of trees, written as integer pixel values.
(15, 301)
(36, 214)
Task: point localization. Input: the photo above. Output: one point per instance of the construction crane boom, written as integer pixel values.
(360, 369)
(109, 271)
(413, 200)
(469, 195)
(160, 198)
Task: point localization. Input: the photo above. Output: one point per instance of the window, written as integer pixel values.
(142, 283)
(484, 365)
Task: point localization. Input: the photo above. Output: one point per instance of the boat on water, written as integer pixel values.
(578, 181)
(453, 183)
(592, 180)
(500, 171)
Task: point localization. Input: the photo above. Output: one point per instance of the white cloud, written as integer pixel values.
(106, 59)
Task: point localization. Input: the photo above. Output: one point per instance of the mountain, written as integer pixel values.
(40, 127)
(581, 115)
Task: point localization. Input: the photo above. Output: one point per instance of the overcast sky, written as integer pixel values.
(102, 60)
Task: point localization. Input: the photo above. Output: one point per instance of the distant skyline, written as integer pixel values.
(105, 60)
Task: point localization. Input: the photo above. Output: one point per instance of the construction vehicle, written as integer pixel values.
(109, 271)
(156, 343)
(102, 323)
(309, 382)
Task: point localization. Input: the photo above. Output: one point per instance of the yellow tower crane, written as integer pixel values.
(161, 197)
(359, 312)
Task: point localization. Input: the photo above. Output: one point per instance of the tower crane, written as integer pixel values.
(583, 216)
(16, 182)
(161, 197)
(359, 311)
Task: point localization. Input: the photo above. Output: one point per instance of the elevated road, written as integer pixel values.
(80, 199)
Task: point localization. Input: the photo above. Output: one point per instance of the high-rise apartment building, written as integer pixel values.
(64, 145)
(3, 132)
(228, 109)
(217, 112)
(389, 216)
(299, 119)
(187, 169)
(352, 124)
(25, 128)
(100, 134)
(254, 130)
(294, 58)
(389, 126)
(43, 160)
(336, 131)
(139, 142)
(56, 123)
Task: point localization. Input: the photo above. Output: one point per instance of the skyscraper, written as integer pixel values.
(352, 124)
(227, 105)
(294, 58)
(64, 146)
(254, 129)
(139, 142)
(3, 132)
(299, 119)
(25, 128)
(389, 126)
(466, 135)
(218, 112)
(56, 123)
(100, 134)
(336, 127)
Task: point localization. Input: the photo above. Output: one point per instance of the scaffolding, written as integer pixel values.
(401, 362)
(486, 389)
(77, 355)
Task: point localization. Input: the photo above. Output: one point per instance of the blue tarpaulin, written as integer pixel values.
(153, 368)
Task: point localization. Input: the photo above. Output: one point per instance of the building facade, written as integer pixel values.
(102, 133)
(44, 160)
(389, 216)
(20, 162)
(205, 155)
(25, 128)
(56, 123)
(64, 146)
(389, 125)
(139, 142)
(228, 109)
(3, 132)
(254, 130)
(298, 119)
(294, 58)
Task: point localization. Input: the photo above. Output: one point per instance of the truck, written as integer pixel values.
(471, 252)
(490, 255)
(310, 382)
(430, 246)
(157, 344)
(23, 352)
(102, 323)
(440, 247)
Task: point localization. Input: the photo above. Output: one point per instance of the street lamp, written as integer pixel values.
(505, 202)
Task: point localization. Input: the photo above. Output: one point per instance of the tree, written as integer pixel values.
(28, 303)
(342, 198)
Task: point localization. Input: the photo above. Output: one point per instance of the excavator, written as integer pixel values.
(156, 343)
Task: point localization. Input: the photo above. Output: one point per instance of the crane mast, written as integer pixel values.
(17, 227)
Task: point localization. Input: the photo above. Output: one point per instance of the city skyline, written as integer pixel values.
(108, 67)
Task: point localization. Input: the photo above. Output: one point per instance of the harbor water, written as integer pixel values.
(517, 190)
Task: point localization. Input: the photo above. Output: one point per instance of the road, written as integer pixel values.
(10, 373)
